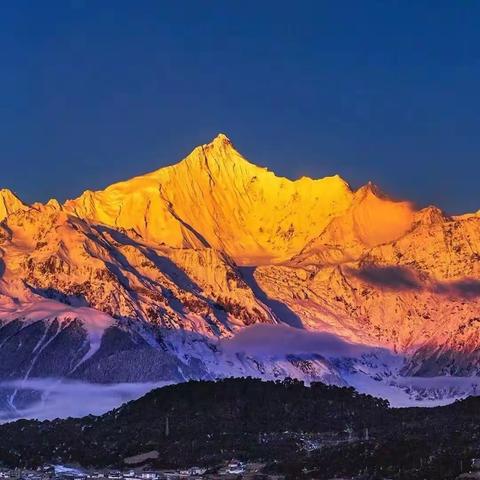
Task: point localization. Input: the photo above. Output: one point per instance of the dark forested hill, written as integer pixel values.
(315, 432)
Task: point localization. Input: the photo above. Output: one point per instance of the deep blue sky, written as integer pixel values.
(92, 92)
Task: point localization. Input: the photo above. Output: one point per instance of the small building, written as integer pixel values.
(115, 475)
(234, 467)
(197, 470)
(149, 475)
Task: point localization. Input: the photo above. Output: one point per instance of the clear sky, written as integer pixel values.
(92, 92)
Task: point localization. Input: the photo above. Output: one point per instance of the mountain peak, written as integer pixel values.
(220, 140)
(220, 144)
(217, 158)
(370, 190)
(9, 203)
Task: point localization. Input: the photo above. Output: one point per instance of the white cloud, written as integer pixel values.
(61, 399)
(276, 341)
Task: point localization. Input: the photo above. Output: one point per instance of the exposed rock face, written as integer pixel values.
(143, 280)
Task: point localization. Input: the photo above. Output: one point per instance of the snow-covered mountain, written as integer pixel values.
(215, 266)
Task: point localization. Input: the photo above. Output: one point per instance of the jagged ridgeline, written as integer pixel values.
(317, 432)
(147, 281)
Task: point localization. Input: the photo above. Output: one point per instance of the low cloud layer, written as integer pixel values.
(61, 399)
(275, 341)
(397, 278)
(401, 278)
(468, 288)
